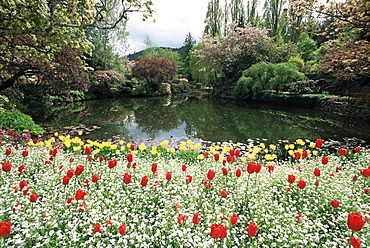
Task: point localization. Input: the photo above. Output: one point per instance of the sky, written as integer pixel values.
(174, 20)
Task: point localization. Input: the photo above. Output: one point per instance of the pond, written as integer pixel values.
(195, 118)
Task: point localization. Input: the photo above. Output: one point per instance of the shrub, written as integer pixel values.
(266, 76)
(19, 122)
(106, 83)
(139, 90)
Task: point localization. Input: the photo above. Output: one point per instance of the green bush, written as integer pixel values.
(139, 90)
(266, 76)
(19, 122)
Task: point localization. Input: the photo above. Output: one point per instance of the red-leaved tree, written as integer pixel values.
(155, 71)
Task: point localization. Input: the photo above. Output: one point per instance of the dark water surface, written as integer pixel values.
(198, 119)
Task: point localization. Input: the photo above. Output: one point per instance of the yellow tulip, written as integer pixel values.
(262, 145)
(244, 159)
(291, 146)
(251, 156)
(142, 147)
(312, 145)
(200, 156)
(56, 134)
(96, 151)
(272, 147)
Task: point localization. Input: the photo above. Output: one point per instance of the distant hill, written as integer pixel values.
(180, 50)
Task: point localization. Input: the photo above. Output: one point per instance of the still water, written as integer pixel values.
(197, 119)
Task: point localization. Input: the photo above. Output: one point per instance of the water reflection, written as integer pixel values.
(197, 118)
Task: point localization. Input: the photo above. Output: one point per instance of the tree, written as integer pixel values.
(240, 49)
(347, 60)
(188, 44)
(237, 12)
(155, 70)
(38, 29)
(273, 15)
(214, 18)
(347, 15)
(252, 16)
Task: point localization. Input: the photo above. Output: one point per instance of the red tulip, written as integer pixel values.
(301, 184)
(218, 231)
(316, 172)
(17, 207)
(207, 184)
(21, 168)
(232, 152)
(97, 228)
(304, 154)
(71, 160)
(357, 149)
(132, 147)
(112, 163)
(101, 158)
(6, 167)
(355, 242)
(196, 218)
(234, 219)
(252, 229)
(65, 180)
(154, 167)
(206, 154)
(299, 217)
(317, 183)
(297, 155)
(8, 151)
(122, 229)
(80, 194)
(25, 191)
(342, 152)
(169, 176)
(366, 191)
(251, 167)
(365, 172)
(216, 156)
(144, 181)
(85, 183)
(299, 168)
(257, 168)
(223, 193)
(224, 171)
(109, 223)
(70, 173)
(188, 179)
(183, 167)
(33, 197)
(87, 150)
(335, 203)
(324, 160)
(237, 153)
(23, 184)
(181, 219)
(94, 178)
(270, 168)
(89, 158)
(25, 154)
(291, 179)
(130, 157)
(319, 143)
(230, 159)
(238, 172)
(211, 174)
(82, 207)
(79, 169)
(69, 200)
(355, 221)
(5, 228)
(127, 178)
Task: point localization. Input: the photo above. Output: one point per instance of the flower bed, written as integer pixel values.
(71, 193)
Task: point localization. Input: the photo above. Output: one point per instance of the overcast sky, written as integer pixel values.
(174, 20)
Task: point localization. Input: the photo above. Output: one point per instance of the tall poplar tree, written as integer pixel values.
(273, 16)
(252, 16)
(237, 12)
(214, 18)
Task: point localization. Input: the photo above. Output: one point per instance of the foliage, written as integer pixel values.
(266, 76)
(214, 19)
(33, 32)
(297, 61)
(5, 104)
(106, 83)
(197, 71)
(19, 122)
(240, 49)
(347, 60)
(306, 47)
(155, 71)
(347, 15)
